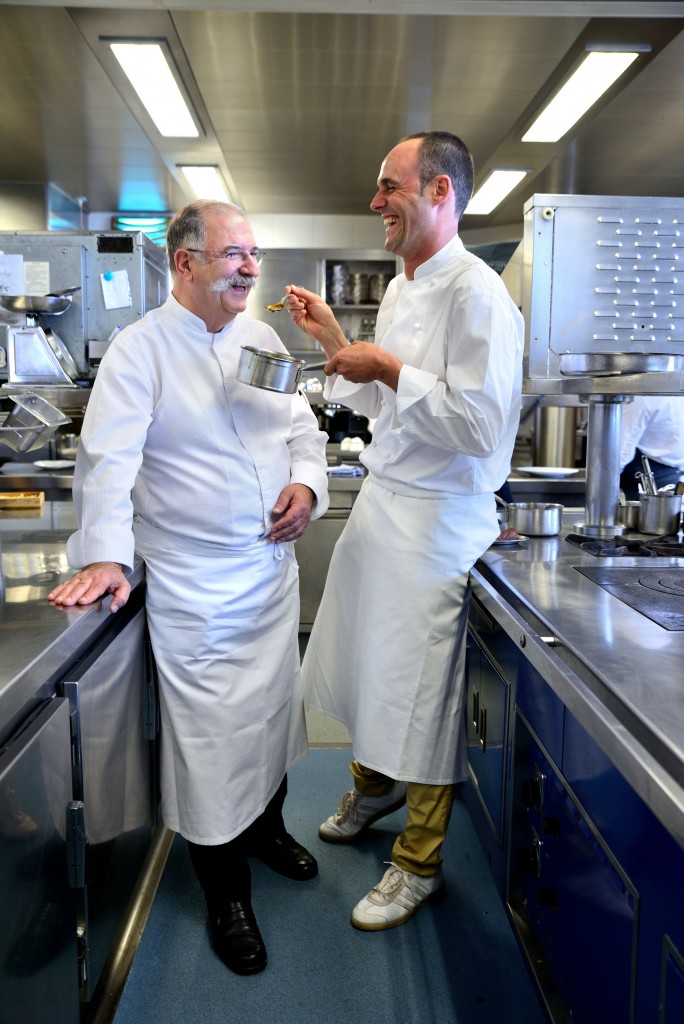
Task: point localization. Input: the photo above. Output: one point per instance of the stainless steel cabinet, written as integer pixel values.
(592, 880)
(114, 725)
(38, 936)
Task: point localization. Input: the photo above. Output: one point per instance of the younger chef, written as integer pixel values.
(210, 481)
(443, 378)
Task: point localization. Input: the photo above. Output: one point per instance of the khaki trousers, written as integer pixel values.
(418, 847)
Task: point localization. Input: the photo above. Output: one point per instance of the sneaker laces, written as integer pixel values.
(347, 808)
(391, 882)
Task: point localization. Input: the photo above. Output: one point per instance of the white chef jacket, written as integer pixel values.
(177, 451)
(386, 653)
(655, 425)
(169, 429)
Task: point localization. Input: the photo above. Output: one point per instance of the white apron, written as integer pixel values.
(387, 650)
(223, 625)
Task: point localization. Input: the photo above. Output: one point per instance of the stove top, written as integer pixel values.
(657, 593)
(646, 547)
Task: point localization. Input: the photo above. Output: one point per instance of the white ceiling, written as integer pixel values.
(300, 101)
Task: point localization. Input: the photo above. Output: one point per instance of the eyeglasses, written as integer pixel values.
(233, 254)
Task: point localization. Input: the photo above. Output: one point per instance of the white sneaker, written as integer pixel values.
(356, 812)
(397, 897)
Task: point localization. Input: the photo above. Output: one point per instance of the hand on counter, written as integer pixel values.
(91, 583)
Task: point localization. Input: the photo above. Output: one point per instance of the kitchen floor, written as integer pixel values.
(457, 962)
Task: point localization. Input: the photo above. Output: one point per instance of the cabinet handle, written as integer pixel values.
(483, 728)
(476, 710)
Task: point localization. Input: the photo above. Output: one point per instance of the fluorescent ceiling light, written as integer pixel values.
(206, 182)
(149, 73)
(593, 77)
(494, 190)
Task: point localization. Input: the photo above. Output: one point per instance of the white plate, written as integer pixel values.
(508, 543)
(55, 463)
(557, 471)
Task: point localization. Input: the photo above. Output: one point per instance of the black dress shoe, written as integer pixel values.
(236, 937)
(286, 856)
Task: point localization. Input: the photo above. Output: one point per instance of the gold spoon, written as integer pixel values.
(275, 306)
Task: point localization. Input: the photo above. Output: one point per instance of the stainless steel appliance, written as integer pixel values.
(603, 301)
(108, 280)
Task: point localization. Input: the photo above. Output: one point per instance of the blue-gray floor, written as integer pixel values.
(456, 962)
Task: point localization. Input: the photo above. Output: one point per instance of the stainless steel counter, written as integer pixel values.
(618, 672)
(38, 640)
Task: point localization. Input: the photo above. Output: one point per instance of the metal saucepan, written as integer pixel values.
(272, 371)
(627, 515)
(534, 518)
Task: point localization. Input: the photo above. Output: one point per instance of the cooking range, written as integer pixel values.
(655, 591)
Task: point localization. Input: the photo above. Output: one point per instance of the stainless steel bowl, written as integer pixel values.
(53, 304)
(535, 518)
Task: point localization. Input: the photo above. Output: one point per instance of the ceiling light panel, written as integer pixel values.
(594, 76)
(494, 190)
(206, 182)
(149, 71)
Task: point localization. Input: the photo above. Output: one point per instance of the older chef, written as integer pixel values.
(386, 654)
(210, 481)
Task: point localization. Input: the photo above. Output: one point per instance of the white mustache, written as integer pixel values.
(241, 280)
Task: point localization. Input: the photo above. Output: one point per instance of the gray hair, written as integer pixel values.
(187, 230)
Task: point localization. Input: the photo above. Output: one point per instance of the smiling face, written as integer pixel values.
(217, 289)
(418, 222)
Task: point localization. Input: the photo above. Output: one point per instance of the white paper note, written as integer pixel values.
(116, 289)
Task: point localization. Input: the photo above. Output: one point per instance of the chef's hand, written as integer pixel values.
(363, 362)
(91, 583)
(291, 513)
(315, 317)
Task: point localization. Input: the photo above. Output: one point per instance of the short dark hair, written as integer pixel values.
(445, 153)
(187, 230)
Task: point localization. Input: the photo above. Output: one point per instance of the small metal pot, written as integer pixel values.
(628, 515)
(535, 518)
(272, 371)
(659, 514)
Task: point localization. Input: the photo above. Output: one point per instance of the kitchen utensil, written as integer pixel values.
(31, 422)
(648, 478)
(272, 371)
(276, 306)
(52, 304)
(659, 514)
(628, 515)
(535, 518)
(67, 445)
